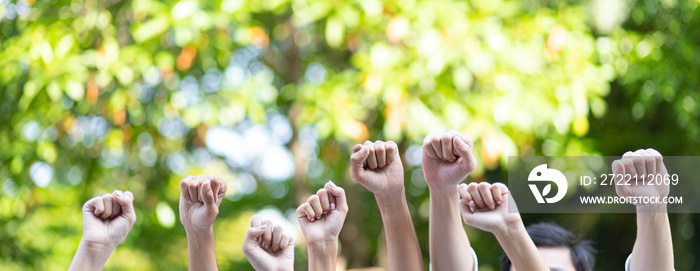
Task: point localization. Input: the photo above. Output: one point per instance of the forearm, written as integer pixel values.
(201, 250)
(90, 257)
(323, 255)
(653, 249)
(402, 243)
(449, 245)
(519, 247)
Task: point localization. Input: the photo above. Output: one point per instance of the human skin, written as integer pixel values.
(485, 207)
(107, 220)
(377, 167)
(653, 247)
(267, 247)
(447, 160)
(200, 198)
(321, 218)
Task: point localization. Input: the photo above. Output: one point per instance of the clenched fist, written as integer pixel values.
(647, 164)
(485, 206)
(447, 158)
(322, 216)
(200, 199)
(377, 167)
(107, 219)
(267, 247)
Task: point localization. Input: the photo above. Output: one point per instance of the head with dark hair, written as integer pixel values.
(552, 241)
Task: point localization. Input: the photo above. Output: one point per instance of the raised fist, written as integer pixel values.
(647, 165)
(322, 216)
(267, 247)
(200, 199)
(485, 206)
(377, 167)
(107, 219)
(447, 158)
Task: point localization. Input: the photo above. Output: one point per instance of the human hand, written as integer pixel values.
(267, 247)
(377, 167)
(645, 165)
(322, 216)
(200, 199)
(107, 220)
(448, 158)
(485, 206)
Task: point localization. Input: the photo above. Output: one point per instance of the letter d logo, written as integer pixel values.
(542, 174)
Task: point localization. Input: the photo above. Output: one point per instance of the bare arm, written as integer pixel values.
(447, 161)
(200, 199)
(107, 221)
(377, 167)
(653, 248)
(485, 206)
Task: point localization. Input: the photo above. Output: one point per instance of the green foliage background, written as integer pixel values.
(103, 95)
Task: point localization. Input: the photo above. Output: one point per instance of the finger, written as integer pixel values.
(437, 145)
(90, 205)
(380, 152)
(108, 200)
(99, 206)
(206, 193)
(192, 186)
(372, 158)
(284, 242)
(325, 202)
(464, 150)
(267, 236)
(630, 169)
(649, 162)
(467, 200)
(277, 233)
(659, 159)
(428, 147)
(639, 164)
(331, 198)
(473, 189)
(447, 152)
(126, 203)
(184, 187)
(340, 198)
(252, 238)
(357, 161)
(498, 190)
(315, 203)
(392, 152)
(486, 195)
(305, 211)
(618, 167)
(255, 221)
(218, 187)
(116, 208)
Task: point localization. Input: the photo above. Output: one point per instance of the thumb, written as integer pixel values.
(341, 201)
(255, 232)
(207, 195)
(463, 149)
(357, 160)
(126, 202)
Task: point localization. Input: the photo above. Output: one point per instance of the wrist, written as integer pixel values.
(391, 200)
(438, 188)
(651, 208)
(510, 229)
(97, 248)
(324, 247)
(200, 235)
